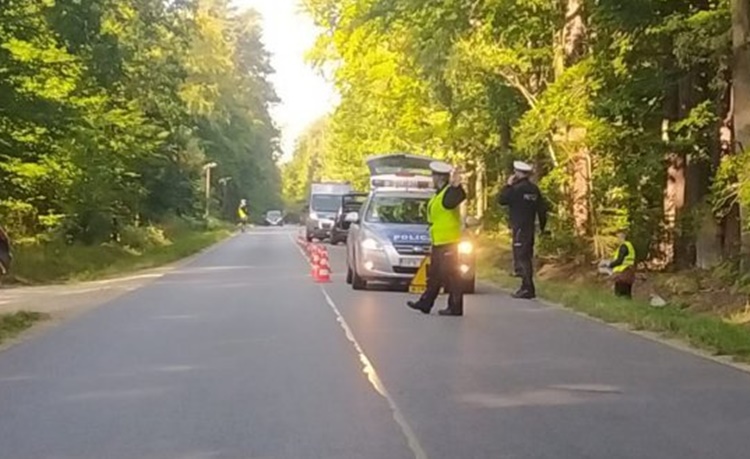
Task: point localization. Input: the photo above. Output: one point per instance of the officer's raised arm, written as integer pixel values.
(505, 197)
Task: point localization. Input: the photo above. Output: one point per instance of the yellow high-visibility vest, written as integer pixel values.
(445, 224)
(629, 258)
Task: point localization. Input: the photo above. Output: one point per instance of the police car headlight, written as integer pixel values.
(313, 216)
(371, 244)
(465, 248)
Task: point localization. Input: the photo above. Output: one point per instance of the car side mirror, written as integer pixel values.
(352, 217)
(472, 222)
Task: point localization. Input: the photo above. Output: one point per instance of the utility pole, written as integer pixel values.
(224, 181)
(207, 168)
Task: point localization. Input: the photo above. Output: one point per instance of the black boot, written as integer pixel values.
(419, 307)
(524, 295)
(450, 312)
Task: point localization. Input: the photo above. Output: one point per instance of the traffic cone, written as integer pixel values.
(314, 261)
(324, 267)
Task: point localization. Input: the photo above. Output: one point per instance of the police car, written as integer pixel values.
(389, 237)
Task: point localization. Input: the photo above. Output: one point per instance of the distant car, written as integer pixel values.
(351, 202)
(275, 218)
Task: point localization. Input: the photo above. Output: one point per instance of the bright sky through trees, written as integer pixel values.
(288, 33)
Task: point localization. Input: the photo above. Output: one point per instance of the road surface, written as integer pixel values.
(239, 355)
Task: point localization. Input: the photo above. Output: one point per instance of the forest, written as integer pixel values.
(110, 111)
(635, 113)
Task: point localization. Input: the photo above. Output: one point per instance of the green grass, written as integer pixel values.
(13, 324)
(703, 331)
(56, 262)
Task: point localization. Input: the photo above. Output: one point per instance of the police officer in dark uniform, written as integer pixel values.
(526, 204)
(446, 227)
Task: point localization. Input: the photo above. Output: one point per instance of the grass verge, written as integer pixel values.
(13, 324)
(702, 330)
(55, 262)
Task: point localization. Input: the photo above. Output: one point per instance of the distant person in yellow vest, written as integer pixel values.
(444, 217)
(243, 213)
(623, 267)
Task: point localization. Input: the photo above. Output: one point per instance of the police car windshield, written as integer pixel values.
(326, 202)
(407, 210)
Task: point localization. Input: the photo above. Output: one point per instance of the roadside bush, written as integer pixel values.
(143, 237)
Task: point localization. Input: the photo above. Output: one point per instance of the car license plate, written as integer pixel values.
(411, 262)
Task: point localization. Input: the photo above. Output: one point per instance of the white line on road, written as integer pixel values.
(377, 383)
(372, 375)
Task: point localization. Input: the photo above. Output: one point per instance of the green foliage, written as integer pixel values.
(13, 324)
(141, 248)
(110, 108)
(485, 82)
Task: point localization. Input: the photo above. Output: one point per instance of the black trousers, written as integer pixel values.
(523, 255)
(444, 273)
(624, 289)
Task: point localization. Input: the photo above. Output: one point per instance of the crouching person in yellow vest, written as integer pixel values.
(623, 267)
(444, 217)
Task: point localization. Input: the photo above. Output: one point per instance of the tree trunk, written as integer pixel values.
(574, 49)
(741, 67)
(729, 231)
(674, 188)
(674, 202)
(480, 189)
(574, 32)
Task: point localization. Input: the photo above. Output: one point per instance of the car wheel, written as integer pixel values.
(357, 282)
(309, 237)
(349, 275)
(470, 286)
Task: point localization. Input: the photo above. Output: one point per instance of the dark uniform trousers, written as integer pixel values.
(444, 272)
(523, 255)
(624, 282)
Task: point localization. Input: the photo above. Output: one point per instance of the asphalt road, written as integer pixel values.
(240, 355)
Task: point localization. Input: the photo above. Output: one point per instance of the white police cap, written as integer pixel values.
(521, 166)
(439, 167)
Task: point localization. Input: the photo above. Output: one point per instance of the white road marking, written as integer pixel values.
(372, 375)
(377, 383)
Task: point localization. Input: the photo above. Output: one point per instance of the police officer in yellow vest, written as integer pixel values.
(444, 217)
(623, 267)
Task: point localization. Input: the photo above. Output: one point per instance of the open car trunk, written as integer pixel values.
(395, 163)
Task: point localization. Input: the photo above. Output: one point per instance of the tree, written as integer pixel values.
(619, 104)
(110, 109)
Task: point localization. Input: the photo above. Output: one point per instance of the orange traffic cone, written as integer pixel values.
(314, 261)
(324, 267)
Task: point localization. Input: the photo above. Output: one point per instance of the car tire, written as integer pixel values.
(470, 286)
(309, 237)
(357, 282)
(349, 275)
